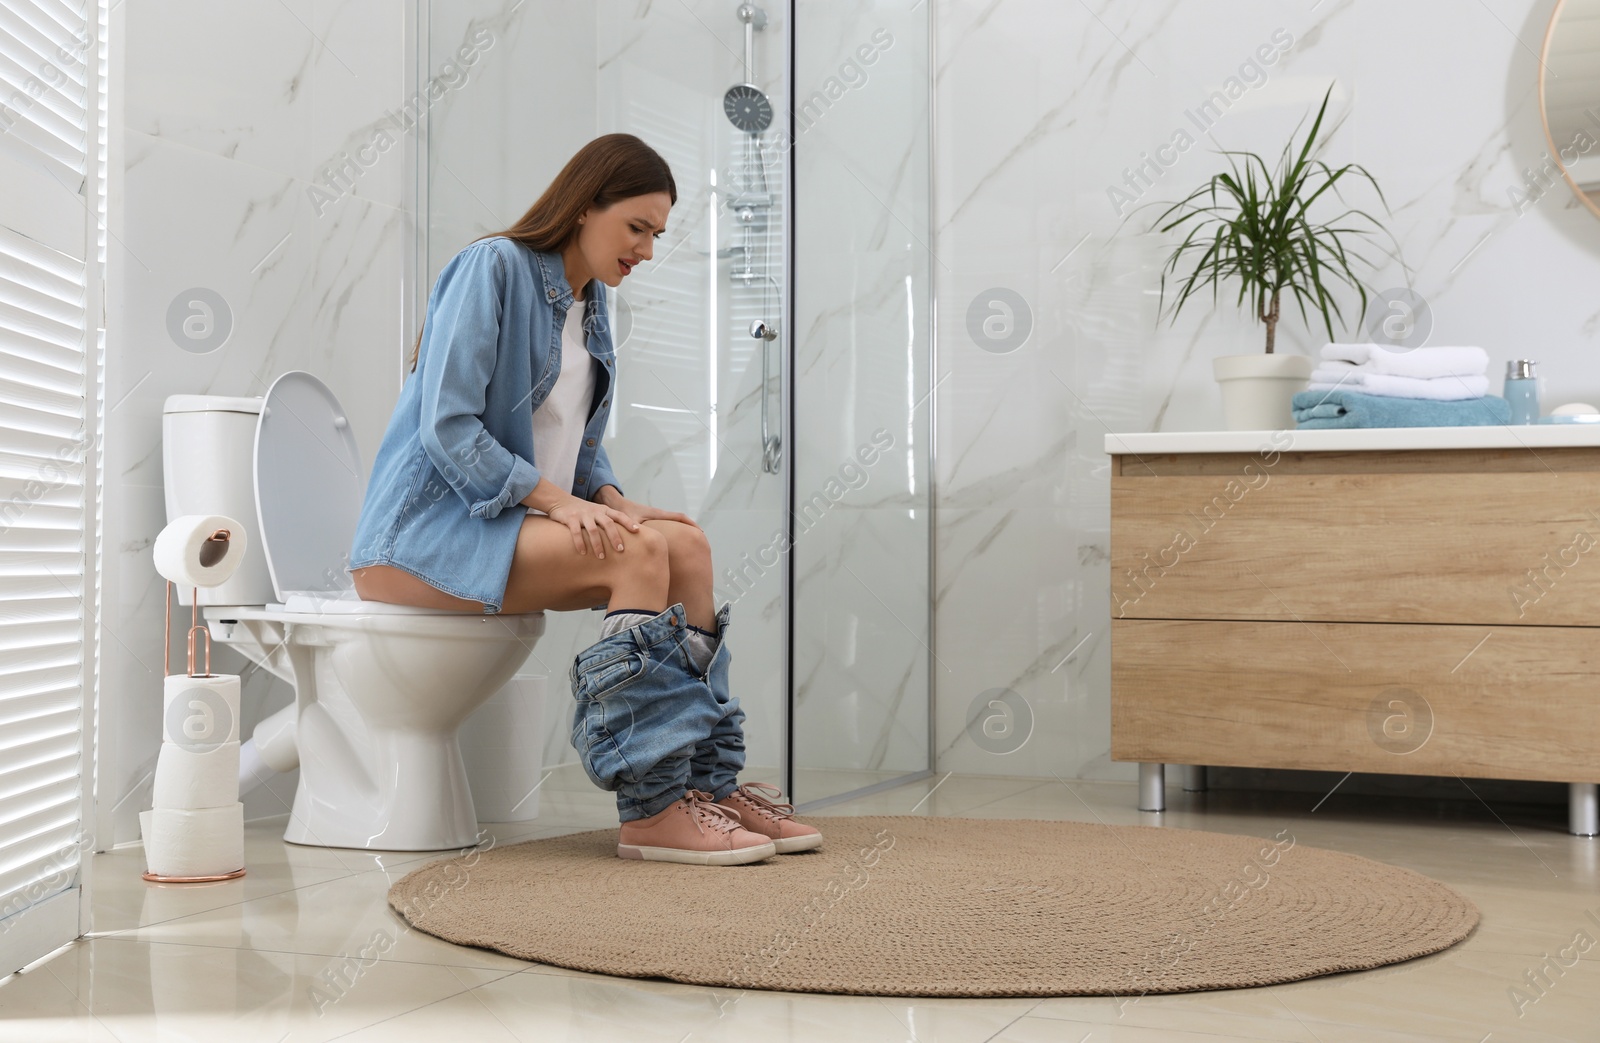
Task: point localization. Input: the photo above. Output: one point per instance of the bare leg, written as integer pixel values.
(547, 574)
(689, 566)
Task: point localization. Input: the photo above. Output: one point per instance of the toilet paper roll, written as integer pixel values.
(189, 777)
(200, 712)
(187, 554)
(203, 842)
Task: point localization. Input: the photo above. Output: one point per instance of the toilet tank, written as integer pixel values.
(208, 467)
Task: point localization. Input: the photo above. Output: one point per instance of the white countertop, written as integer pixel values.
(1524, 436)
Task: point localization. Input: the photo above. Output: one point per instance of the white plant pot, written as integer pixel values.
(1256, 389)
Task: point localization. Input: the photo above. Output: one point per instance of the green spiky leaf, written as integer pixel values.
(1251, 223)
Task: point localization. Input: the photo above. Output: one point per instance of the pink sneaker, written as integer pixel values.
(694, 830)
(759, 814)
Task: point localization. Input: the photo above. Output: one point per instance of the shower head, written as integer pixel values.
(747, 108)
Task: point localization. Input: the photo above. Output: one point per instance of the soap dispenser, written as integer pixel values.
(1522, 392)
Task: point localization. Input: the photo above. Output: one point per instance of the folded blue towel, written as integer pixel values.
(1338, 408)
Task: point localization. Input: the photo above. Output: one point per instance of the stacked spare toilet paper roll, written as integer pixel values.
(196, 829)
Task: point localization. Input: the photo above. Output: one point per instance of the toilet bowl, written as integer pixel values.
(381, 690)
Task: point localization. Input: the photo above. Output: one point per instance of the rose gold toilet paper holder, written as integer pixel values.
(212, 551)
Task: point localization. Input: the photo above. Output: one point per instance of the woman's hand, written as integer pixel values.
(591, 523)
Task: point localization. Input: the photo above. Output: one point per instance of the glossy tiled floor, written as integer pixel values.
(248, 960)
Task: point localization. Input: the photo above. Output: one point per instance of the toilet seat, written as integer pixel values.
(409, 621)
(312, 603)
(306, 466)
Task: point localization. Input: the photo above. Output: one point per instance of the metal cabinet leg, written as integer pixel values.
(1152, 787)
(1193, 777)
(1583, 809)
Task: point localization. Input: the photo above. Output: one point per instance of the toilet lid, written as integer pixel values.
(309, 486)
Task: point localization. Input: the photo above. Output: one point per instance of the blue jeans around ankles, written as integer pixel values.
(643, 713)
(719, 758)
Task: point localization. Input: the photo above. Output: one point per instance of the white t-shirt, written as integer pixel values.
(559, 421)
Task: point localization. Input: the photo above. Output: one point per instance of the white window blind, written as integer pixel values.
(52, 201)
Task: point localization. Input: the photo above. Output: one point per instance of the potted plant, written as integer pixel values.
(1252, 225)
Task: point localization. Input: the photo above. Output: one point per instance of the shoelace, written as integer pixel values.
(767, 807)
(703, 809)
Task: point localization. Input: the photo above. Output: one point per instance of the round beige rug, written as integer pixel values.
(924, 906)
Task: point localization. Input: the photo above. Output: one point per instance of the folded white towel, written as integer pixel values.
(1357, 378)
(1417, 362)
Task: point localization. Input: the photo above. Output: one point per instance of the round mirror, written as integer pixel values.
(1569, 95)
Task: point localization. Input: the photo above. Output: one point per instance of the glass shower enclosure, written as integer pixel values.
(774, 359)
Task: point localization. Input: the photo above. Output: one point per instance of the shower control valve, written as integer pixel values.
(761, 331)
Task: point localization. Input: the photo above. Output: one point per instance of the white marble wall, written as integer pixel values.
(863, 410)
(1041, 107)
(496, 143)
(224, 116)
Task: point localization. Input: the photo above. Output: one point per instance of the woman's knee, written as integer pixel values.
(647, 548)
(688, 550)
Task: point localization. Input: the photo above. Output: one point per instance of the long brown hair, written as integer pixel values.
(610, 168)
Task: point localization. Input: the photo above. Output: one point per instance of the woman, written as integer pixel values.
(511, 394)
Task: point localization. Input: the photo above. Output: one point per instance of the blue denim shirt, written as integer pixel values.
(443, 502)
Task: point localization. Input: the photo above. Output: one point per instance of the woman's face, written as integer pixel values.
(612, 241)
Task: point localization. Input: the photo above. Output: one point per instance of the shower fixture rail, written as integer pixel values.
(771, 444)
